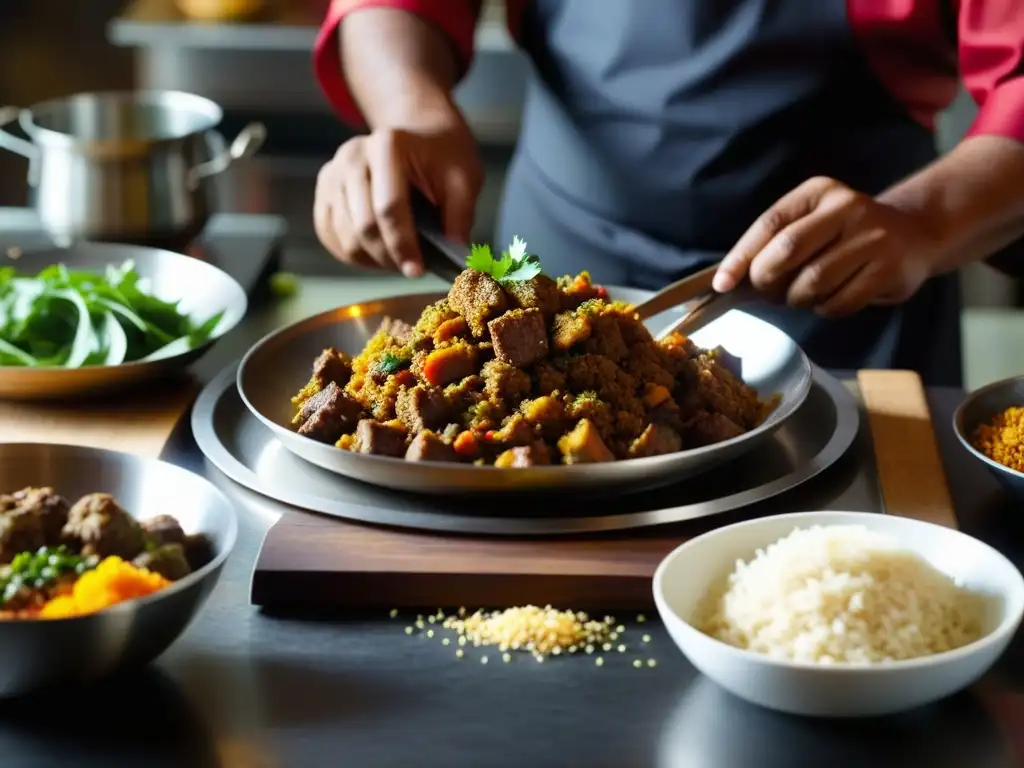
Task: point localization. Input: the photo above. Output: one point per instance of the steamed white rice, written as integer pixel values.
(841, 594)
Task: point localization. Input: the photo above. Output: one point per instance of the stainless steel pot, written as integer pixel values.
(125, 166)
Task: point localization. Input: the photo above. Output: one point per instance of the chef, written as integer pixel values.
(791, 138)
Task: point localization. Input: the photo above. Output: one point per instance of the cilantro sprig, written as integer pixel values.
(515, 265)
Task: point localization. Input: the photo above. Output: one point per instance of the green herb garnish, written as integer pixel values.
(391, 363)
(514, 266)
(72, 319)
(40, 569)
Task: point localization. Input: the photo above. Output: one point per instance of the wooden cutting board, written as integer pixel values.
(311, 560)
(139, 423)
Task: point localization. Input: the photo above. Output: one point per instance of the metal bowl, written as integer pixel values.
(279, 365)
(979, 407)
(41, 654)
(202, 288)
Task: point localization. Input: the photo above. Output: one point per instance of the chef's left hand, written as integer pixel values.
(829, 248)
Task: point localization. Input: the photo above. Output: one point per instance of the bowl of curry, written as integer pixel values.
(990, 425)
(519, 382)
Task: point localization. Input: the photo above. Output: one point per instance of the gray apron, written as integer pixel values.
(656, 131)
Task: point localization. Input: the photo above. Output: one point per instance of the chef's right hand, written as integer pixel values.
(362, 214)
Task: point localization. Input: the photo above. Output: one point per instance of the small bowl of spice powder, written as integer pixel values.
(990, 425)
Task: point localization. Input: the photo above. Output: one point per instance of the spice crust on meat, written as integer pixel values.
(517, 369)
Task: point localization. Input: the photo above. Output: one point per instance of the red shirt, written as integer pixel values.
(905, 42)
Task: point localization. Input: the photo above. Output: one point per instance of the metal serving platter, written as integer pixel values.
(279, 365)
(202, 289)
(247, 453)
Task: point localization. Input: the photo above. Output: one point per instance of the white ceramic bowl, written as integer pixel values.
(840, 690)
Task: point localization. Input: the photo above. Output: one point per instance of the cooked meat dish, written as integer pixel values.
(524, 370)
(47, 544)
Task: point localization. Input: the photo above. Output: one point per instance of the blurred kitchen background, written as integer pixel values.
(261, 70)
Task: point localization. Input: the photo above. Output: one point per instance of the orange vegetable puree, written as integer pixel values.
(112, 581)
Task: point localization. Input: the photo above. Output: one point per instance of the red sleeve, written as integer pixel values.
(456, 18)
(991, 38)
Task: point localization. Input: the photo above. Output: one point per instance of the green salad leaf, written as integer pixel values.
(515, 265)
(75, 318)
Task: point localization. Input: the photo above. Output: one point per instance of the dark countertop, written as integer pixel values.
(242, 688)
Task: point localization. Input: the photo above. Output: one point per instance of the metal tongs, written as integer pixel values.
(702, 304)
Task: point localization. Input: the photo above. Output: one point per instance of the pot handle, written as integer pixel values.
(246, 144)
(16, 145)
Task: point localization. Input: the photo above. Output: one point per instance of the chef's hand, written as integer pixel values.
(362, 214)
(829, 248)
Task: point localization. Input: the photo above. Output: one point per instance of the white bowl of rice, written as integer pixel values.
(839, 614)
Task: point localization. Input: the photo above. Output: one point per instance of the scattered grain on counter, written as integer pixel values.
(1002, 438)
(646, 638)
(459, 653)
(506, 657)
(652, 662)
(542, 631)
(637, 663)
(394, 613)
(640, 619)
(409, 630)
(599, 661)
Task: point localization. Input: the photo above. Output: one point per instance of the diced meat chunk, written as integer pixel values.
(397, 329)
(46, 504)
(449, 364)
(570, 329)
(198, 550)
(332, 366)
(380, 439)
(477, 297)
(606, 338)
(540, 292)
(331, 414)
(655, 440)
(423, 408)
(169, 561)
(20, 531)
(97, 525)
(163, 529)
(533, 455)
(583, 445)
(520, 337)
(504, 383)
(427, 446)
(708, 428)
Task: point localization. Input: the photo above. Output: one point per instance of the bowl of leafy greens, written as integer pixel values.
(99, 317)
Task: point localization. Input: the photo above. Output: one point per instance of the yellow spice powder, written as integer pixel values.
(1002, 438)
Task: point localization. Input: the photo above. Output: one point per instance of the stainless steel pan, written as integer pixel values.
(279, 365)
(202, 288)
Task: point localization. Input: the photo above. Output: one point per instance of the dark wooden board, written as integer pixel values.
(310, 560)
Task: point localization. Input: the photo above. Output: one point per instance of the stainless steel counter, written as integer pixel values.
(246, 689)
